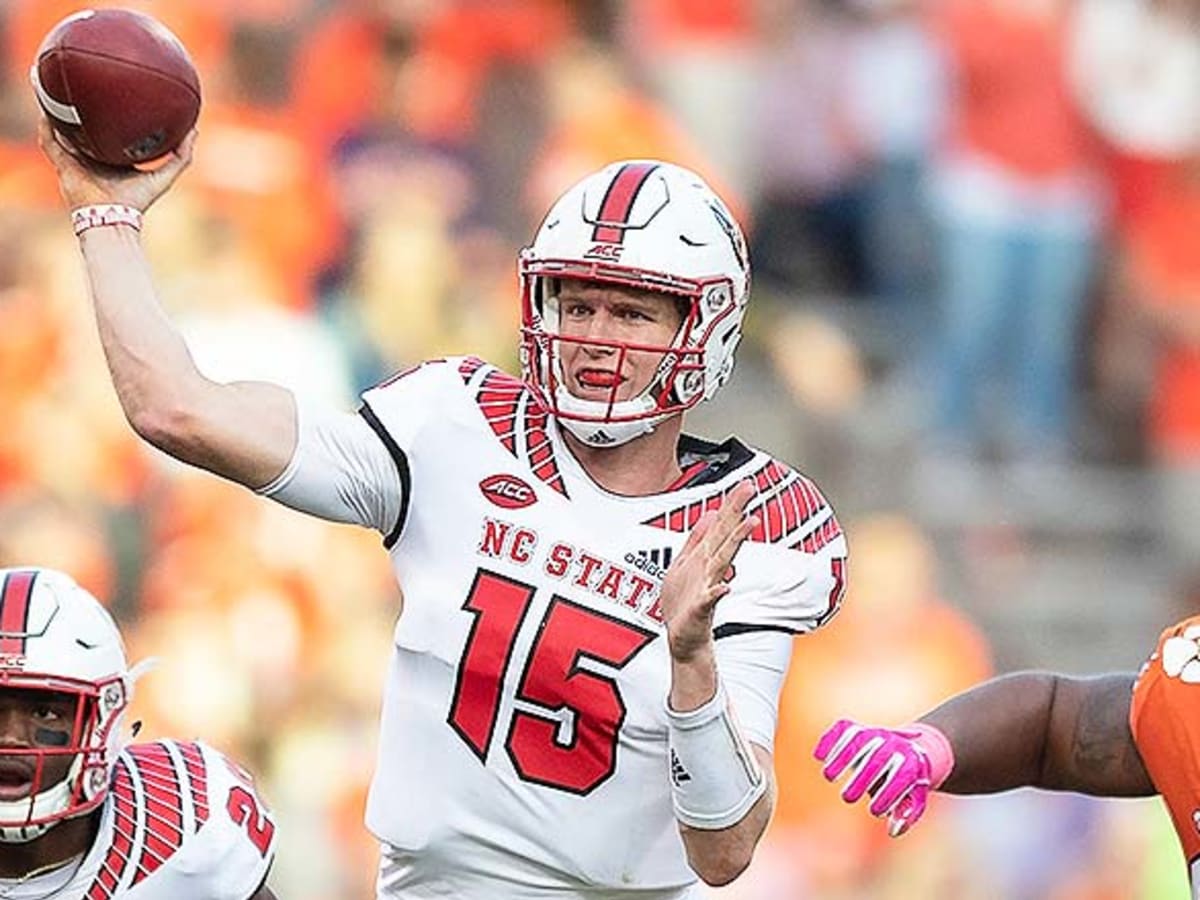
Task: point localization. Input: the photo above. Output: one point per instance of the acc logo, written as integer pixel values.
(12, 660)
(508, 491)
(604, 251)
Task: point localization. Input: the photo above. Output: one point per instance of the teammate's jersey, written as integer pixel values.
(523, 749)
(1166, 728)
(181, 822)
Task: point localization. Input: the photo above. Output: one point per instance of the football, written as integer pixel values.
(117, 85)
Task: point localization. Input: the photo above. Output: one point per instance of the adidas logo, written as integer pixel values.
(679, 775)
(602, 438)
(660, 556)
(652, 562)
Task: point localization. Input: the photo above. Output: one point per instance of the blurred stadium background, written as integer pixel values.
(976, 323)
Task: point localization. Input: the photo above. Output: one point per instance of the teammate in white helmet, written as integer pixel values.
(84, 815)
(583, 690)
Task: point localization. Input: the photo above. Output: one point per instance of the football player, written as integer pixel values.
(83, 816)
(1117, 735)
(583, 691)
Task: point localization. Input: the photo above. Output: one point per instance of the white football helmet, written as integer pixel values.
(55, 636)
(650, 225)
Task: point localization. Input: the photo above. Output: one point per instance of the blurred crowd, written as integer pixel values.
(975, 230)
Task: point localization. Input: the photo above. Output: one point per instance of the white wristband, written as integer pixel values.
(715, 778)
(100, 214)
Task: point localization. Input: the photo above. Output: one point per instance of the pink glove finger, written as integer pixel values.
(849, 751)
(830, 738)
(906, 773)
(875, 757)
(908, 811)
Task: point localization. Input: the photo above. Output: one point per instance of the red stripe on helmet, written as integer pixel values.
(14, 610)
(618, 202)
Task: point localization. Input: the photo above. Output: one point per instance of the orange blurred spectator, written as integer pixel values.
(1136, 67)
(702, 60)
(1162, 265)
(597, 115)
(421, 65)
(1017, 107)
(258, 173)
(40, 529)
(412, 289)
(26, 181)
(1160, 297)
(668, 22)
(1019, 204)
(64, 431)
(895, 649)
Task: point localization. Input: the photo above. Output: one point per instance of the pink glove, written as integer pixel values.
(897, 767)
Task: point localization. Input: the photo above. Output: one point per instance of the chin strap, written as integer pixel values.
(582, 419)
(25, 833)
(607, 434)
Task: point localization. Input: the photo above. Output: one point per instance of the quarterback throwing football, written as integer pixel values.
(583, 691)
(82, 815)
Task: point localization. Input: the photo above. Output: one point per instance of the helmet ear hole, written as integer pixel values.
(545, 288)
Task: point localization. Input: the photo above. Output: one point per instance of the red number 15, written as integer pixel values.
(553, 689)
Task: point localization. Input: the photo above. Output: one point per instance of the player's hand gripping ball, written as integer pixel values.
(117, 85)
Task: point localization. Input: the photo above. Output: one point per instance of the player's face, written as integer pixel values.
(34, 719)
(609, 315)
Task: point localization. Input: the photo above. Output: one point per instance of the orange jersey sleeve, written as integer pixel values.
(1166, 727)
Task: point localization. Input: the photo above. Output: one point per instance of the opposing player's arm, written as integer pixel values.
(1043, 730)
(243, 431)
(1030, 729)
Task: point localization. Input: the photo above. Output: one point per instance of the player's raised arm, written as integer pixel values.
(725, 801)
(1030, 729)
(244, 431)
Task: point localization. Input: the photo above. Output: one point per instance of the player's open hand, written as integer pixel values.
(83, 182)
(699, 576)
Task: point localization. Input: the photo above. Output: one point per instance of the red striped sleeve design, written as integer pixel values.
(787, 504)
(197, 777)
(122, 796)
(163, 799)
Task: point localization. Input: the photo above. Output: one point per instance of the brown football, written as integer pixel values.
(117, 85)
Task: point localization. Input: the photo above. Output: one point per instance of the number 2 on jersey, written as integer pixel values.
(244, 809)
(551, 682)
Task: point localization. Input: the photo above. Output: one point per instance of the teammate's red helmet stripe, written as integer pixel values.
(14, 610)
(618, 202)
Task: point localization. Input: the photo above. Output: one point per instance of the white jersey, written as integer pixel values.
(523, 749)
(181, 822)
